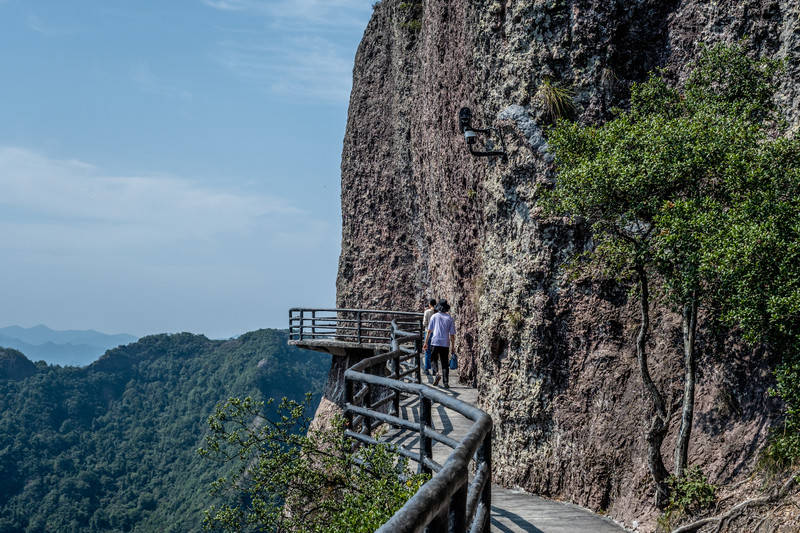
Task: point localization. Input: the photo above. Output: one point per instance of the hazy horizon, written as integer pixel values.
(4, 326)
(69, 347)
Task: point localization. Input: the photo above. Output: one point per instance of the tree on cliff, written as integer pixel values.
(756, 262)
(289, 478)
(655, 184)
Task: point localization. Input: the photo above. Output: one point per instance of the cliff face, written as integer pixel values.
(553, 359)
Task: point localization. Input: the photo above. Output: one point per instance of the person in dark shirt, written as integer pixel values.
(426, 318)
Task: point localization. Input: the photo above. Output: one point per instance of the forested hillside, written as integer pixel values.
(113, 446)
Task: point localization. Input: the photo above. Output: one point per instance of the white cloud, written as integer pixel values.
(309, 68)
(35, 23)
(308, 12)
(46, 28)
(55, 205)
(147, 81)
(84, 248)
(305, 51)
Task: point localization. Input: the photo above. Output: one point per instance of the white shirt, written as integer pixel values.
(426, 318)
(442, 325)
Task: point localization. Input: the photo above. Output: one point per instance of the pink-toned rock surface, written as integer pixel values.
(553, 359)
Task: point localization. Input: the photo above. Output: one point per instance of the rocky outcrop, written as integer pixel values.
(553, 358)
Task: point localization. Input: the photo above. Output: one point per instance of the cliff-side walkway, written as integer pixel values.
(512, 510)
(376, 377)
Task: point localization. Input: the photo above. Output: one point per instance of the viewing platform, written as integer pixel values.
(345, 332)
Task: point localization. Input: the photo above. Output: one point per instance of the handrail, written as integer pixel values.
(345, 310)
(449, 501)
(360, 326)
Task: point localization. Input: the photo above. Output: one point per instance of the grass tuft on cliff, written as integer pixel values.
(556, 100)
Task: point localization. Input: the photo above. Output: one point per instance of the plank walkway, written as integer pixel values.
(512, 510)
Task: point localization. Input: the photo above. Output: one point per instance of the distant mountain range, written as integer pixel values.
(72, 347)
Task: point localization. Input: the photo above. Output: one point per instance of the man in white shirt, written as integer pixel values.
(441, 335)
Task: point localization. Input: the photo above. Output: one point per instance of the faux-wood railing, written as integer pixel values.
(361, 326)
(458, 498)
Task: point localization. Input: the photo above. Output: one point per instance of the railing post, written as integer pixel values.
(367, 420)
(485, 456)
(417, 360)
(302, 325)
(313, 324)
(358, 333)
(396, 401)
(426, 445)
(291, 329)
(393, 345)
(458, 507)
(439, 523)
(348, 399)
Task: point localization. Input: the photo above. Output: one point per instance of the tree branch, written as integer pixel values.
(738, 509)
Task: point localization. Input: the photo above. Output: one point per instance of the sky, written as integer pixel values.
(171, 166)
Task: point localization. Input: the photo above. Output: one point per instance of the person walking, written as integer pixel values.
(426, 318)
(441, 335)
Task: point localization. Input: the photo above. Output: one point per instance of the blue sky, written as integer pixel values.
(171, 166)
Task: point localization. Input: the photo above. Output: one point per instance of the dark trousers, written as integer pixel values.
(442, 354)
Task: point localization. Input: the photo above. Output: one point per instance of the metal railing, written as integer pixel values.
(458, 498)
(361, 326)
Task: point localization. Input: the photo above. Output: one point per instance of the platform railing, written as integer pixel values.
(457, 499)
(360, 326)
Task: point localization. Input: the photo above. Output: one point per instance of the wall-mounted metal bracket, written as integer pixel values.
(471, 135)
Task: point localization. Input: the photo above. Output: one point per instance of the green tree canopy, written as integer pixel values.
(678, 189)
(293, 478)
(112, 447)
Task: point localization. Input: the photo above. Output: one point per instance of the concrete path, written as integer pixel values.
(512, 510)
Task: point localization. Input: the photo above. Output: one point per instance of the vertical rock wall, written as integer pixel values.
(553, 359)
